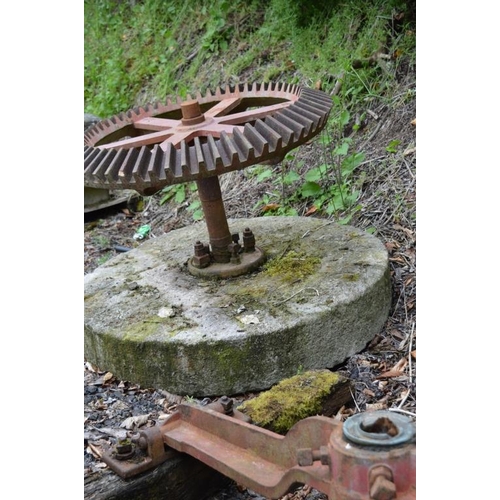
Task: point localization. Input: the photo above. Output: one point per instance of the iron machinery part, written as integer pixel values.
(147, 148)
(197, 140)
(382, 428)
(314, 452)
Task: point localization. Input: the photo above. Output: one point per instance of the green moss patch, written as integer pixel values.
(305, 395)
(292, 266)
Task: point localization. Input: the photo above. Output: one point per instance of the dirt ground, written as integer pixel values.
(384, 374)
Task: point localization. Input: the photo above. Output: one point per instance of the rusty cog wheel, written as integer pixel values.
(149, 147)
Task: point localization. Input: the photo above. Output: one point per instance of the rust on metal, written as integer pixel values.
(315, 452)
(148, 148)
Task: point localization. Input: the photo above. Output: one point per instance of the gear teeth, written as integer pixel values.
(299, 131)
(294, 117)
(260, 145)
(171, 163)
(246, 151)
(156, 172)
(322, 102)
(280, 128)
(309, 111)
(100, 170)
(271, 136)
(228, 151)
(93, 163)
(214, 157)
(139, 171)
(125, 171)
(145, 169)
(87, 151)
(199, 159)
(184, 163)
(111, 173)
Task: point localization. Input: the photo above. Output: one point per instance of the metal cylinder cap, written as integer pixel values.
(379, 428)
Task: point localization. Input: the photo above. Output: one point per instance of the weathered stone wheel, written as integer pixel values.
(148, 148)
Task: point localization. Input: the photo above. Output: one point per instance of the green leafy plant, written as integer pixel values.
(182, 193)
(392, 147)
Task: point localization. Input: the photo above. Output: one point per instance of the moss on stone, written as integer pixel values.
(291, 400)
(351, 276)
(292, 266)
(141, 330)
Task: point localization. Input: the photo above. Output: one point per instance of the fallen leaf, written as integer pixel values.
(414, 122)
(400, 365)
(131, 423)
(408, 281)
(311, 210)
(107, 377)
(391, 245)
(390, 374)
(94, 451)
(397, 334)
(414, 354)
(317, 86)
(270, 207)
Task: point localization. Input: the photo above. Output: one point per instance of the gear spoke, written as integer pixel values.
(223, 107)
(139, 141)
(252, 114)
(152, 123)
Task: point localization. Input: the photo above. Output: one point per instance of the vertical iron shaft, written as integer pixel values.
(215, 218)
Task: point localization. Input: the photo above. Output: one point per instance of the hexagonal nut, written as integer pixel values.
(201, 261)
(227, 404)
(305, 456)
(382, 489)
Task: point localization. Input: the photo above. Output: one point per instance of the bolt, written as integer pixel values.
(306, 456)
(227, 405)
(201, 257)
(248, 240)
(382, 486)
(235, 237)
(123, 446)
(124, 449)
(199, 249)
(234, 249)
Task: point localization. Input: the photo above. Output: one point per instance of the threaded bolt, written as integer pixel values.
(382, 486)
(234, 249)
(227, 405)
(248, 240)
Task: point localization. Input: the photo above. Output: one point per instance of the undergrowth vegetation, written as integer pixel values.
(139, 51)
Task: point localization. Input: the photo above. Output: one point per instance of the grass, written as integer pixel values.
(140, 51)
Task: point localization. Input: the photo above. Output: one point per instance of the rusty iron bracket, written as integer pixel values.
(371, 456)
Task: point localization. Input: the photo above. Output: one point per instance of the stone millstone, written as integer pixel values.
(149, 321)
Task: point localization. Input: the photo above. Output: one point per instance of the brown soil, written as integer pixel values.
(384, 374)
